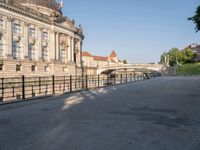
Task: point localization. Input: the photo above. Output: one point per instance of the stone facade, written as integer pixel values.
(37, 40)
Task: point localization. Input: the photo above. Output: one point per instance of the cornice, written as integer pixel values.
(17, 8)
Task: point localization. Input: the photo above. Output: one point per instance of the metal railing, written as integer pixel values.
(29, 87)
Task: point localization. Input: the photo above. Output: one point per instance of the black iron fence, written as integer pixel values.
(29, 87)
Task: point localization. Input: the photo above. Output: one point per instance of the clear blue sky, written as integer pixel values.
(139, 30)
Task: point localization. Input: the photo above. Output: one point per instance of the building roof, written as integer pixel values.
(51, 4)
(100, 58)
(113, 54)
(86, 54)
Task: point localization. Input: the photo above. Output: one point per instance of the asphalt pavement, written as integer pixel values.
(158, 114)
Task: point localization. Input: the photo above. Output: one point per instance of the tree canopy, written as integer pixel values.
(175, 56)
(196, 19)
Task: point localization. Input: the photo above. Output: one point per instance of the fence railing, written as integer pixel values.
(29, 87)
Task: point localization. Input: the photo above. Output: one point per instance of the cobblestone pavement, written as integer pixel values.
(157, 114)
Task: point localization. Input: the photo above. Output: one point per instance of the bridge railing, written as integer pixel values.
(21, 88)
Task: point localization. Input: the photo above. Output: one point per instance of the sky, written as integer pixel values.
(138, 30)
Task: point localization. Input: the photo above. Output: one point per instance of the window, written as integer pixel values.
(16, 28)
(31, 52)
(1, 67)
(16, 50)
(44, 53)
(46, 68)
(18, 68)
(62, 55)
(76, 45)
(32, 32)
(75, 57)
(33, 68)
(44, 36)
(1, 46)
(1, 24)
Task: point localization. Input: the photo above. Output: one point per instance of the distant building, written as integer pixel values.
(196, 49)
(91, 62)
(37, 40)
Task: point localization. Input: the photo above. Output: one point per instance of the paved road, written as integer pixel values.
(158, 114)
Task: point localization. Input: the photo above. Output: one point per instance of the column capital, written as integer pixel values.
(10, 19)
(26, 24)
(41, 28)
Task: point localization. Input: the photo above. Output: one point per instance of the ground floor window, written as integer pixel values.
(1, 67)
(33, 68)
(18, 68)
(46, 68)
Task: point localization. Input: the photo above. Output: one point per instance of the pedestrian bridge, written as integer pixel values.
(131, 68)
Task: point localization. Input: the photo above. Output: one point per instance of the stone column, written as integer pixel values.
(52, 45)
(69, 49)
(72, 49)
(9, 37)
(80, 59)
(39, 50)
(79, 52)
(57, 46)
(26, 40)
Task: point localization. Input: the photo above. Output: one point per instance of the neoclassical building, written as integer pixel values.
(37, 40)
(92, 62)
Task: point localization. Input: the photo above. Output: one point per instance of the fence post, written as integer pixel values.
(98, 80)
(82, 81)
(53, 84)
(130, 77)
(40, 85)
(121, 79)
(126, 78)
(64, 84)
(114, 79)
(70, 83)
(23, 87)
(75, 82)
(107, 79)
(2, 86)
(86, 81)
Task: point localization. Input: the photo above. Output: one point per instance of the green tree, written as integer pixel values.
(188, 56)
(196, 19)
(174, 56)
(125, 61)
(162, 58)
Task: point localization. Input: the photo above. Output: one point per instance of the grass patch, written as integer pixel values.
(188, 69)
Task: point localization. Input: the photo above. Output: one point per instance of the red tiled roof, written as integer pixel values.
(113, 54)
(100, 58)
(86, 54)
